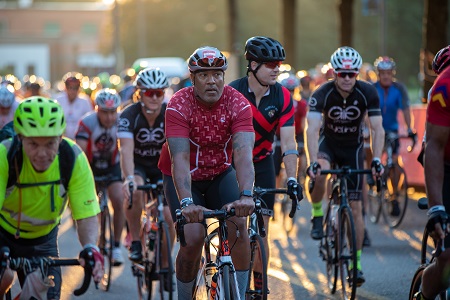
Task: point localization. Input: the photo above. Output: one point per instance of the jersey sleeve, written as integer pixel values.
(317, 100)
(373, 101)
(125, 129)
(83, 131)
(244, 119)
(82, 195)
(405, 97)
(438, 111)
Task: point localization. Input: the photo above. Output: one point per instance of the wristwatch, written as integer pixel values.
(246, 193)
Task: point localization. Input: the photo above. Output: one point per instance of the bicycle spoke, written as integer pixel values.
(396, 199)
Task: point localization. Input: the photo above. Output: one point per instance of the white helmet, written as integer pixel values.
(151, 78)
(107, 99)
(6, 95)
(346, 58)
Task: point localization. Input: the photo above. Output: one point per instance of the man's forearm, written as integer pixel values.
(88, 230)
(378, 142)
(434, 174)
(243, 159)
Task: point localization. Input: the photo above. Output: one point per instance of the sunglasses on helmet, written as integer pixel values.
(273, 64)
(150, 93)
(345, 74)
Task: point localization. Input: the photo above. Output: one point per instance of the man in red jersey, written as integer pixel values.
(435, 277)
(206, 125)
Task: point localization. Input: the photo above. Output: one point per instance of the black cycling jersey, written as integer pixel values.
(148, 140)
(343, 119)
(276, 109)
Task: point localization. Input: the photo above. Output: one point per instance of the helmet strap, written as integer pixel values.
(249, 68)
(147, 110)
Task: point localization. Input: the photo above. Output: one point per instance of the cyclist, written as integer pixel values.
(207, 123)
(273, 108)
(8, 104)
(342, 104)
(97, 136)
(74, 106)
(141, 136)
(32, 208)
(393, 97)
(437, 174)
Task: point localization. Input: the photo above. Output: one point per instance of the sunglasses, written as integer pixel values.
(211, 62)
(273, 64)
(151, 93)
(345, 74)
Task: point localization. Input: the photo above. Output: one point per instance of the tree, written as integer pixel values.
(435, 22)
(346, 22)
(289, 29)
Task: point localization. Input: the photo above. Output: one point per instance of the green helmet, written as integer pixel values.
(39, 116)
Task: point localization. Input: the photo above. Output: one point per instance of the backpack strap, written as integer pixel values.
(14, 152)
(66, 162)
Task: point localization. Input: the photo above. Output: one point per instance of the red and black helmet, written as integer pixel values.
(441, 60)
(207, 58)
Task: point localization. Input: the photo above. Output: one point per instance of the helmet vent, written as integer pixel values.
(41, 111)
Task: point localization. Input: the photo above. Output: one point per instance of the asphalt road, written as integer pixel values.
(296, 271)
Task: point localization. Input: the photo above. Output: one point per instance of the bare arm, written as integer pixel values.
(376, 135)
(88, 230)
(436, 140)
(407, 117)
(126, 147)
(243, 159)
(313, 123)
(288, 142)
(180, 157)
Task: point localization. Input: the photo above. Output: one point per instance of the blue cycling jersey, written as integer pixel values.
(391, 100)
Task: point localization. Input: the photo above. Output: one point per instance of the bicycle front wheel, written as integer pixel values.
(395, 199)
(226, 287)
(328, 251)
(257, 286)
(106, 246)
(347, 253)
(143, 283)
(165, 274)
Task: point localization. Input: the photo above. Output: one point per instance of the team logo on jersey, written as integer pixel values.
(312, 102)
(271, 113)
(104, 142)
(124, 122)
(350, 113)
(146, 135)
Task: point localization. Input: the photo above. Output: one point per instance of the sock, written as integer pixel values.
(317, 210)
(358, 259)
(185, 289)
(242, 279)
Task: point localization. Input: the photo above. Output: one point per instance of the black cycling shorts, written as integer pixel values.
(212, 194)
(114, 171)
(342, 155)
(149, 175)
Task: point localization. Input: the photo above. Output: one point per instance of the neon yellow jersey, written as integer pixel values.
(38, 214)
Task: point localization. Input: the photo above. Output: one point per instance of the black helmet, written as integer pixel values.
(261, 48)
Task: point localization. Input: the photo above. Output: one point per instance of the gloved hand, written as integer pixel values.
(294, 189)
(436, 215)
(377, 167)
(93, 261)
(311, 171)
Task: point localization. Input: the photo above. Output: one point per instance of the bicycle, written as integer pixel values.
(429, 251)
(256, 233)
(385, 202)
(154, 235)
(338, 245)
(106, 238)
(29, 265)
(223, 284)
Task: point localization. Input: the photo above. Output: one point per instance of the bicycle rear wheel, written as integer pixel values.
(288, 222)
(416, 282)
(165, 274)
(395, 204)
(257, 286)
(106, 246)
(144, 285)
(347, 253)
(328, 251)
(374, 204)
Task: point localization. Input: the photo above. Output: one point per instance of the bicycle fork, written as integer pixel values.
(234, 290)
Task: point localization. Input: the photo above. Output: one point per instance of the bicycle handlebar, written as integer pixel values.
(344, 171)
(20, 263)
(394, 136)
(258, 192)
(422, 204)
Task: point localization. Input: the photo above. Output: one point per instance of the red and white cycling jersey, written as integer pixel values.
(209, 129)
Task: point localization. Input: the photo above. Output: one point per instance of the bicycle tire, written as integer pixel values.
(257, 251)
(374, 204)
(144, 286)
(107, 244)
(394, 220)
(226, 287)
(347, 253)
(416, 281)
(165, 272)
(288, 222)
(328, 251)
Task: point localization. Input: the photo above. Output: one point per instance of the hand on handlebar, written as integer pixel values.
(92, 260)
(313, 170)
(126, 188)
(294, 190)
(437, 224)
(193, 213)
(242, 207)
(377, 167)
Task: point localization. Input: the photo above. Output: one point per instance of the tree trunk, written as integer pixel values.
(346, 22)
(289, 28)
(435, 22)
